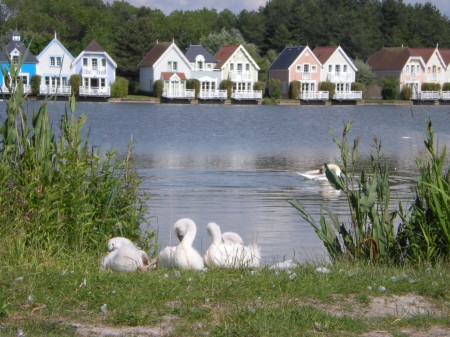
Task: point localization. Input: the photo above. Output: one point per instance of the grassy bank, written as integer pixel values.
(342, 300)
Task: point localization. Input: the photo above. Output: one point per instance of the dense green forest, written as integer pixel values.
(359, 26)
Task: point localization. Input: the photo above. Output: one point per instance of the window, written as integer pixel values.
(94, 63)
(103, 63)
(330, 68)
(200, 65)
(306, 68)
(338, 68)
(247, 67)
(231, 66)
(102, 83)
(58, 61)
(239, 67)
(344, 68)
(418, 69)
(47, 81)
(85, 61)
(172, 65)
(52, 61)
(15, 59)
(407, 69)
(299, 68)
(313, 68)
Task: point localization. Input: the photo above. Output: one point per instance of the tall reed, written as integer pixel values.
(57, 196)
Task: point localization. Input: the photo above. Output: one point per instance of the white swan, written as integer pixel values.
(320, 173)
(184, 255)
(117, 242)
(127, 257)
(230, 254)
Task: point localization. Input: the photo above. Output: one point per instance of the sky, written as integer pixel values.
(237, 6)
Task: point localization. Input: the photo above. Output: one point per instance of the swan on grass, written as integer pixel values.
(230, 254)
(125, 258)
(320, 173)
(117, 242)
(183, 255)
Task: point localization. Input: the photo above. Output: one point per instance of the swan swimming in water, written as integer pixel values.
(127, 257)
(320, 173)
(184, 255)
(227, 253)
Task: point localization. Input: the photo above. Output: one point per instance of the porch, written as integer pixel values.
(4, 89)
(246, 95)
(314, 95)
(95, 91)
(213, 94)
(179, 93)
(64, 90)
(348, 95)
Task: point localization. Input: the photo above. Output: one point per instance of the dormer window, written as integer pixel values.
(199, 65)
(15, 59)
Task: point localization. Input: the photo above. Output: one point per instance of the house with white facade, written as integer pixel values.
(15, 53)
(235, 64)
(166, 62)
(55, 68)
(203, 68)
(338, 68)
(298, 63)
(97, 70)
(445, 54)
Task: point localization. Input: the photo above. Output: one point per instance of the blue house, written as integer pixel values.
(15, 51)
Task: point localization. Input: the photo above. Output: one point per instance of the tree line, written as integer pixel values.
(127, 33)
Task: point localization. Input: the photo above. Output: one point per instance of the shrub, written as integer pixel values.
(294, 90)
(119, 88)
(274, 86)
(356, 86)
(158, 88)
(389, 87)
(427, 86)
(35, 83)
(406, 93)
(75, 83)
(328, 86)
(194, 84)
(228, 86)
(446, 86)
(260, 85)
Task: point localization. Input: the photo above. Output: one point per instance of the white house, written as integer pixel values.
(236, 64)
(203, 66)
(166, 62)
(338, 68)
(55, 68)
(97, 70)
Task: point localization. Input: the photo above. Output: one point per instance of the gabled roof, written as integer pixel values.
(154, 54)
(194, 50)
(391, 58)
(95, 47)
(55, 41)
(324, 53)
(445, 53)
(226, 52)
(167, 76)
(21, 48)
(286, 58)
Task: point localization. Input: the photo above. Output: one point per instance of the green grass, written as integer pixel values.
(222, 302)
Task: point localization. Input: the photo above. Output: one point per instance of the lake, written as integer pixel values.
(236, 164)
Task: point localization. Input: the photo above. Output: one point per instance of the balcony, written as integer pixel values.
(179, 93)
(445, 95)
(338, 77)
(237, 76)
(306, 76)
(93, 71)
(95, 91)
(26, 89)
(429, 95)
(63, 90)
(348, 95)
(246, 95)
(216, 94)
(314, 95)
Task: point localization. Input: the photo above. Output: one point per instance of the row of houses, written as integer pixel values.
(172, 66)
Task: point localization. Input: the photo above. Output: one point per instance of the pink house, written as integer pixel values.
(298, 64)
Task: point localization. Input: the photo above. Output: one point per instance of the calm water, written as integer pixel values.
(236, 165)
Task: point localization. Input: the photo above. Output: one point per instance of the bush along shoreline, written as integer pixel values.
(60, 202)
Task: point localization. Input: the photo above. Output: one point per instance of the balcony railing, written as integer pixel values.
(182, 93)
(95, 91)
(306, 76)
(61, 90)
(246, 95)
(340, 77)
(216, 94)
(26, 89)
(445, 95)
(348, 95)
(429, 95)
(98, 71)
(314, 95)
(240, 75)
